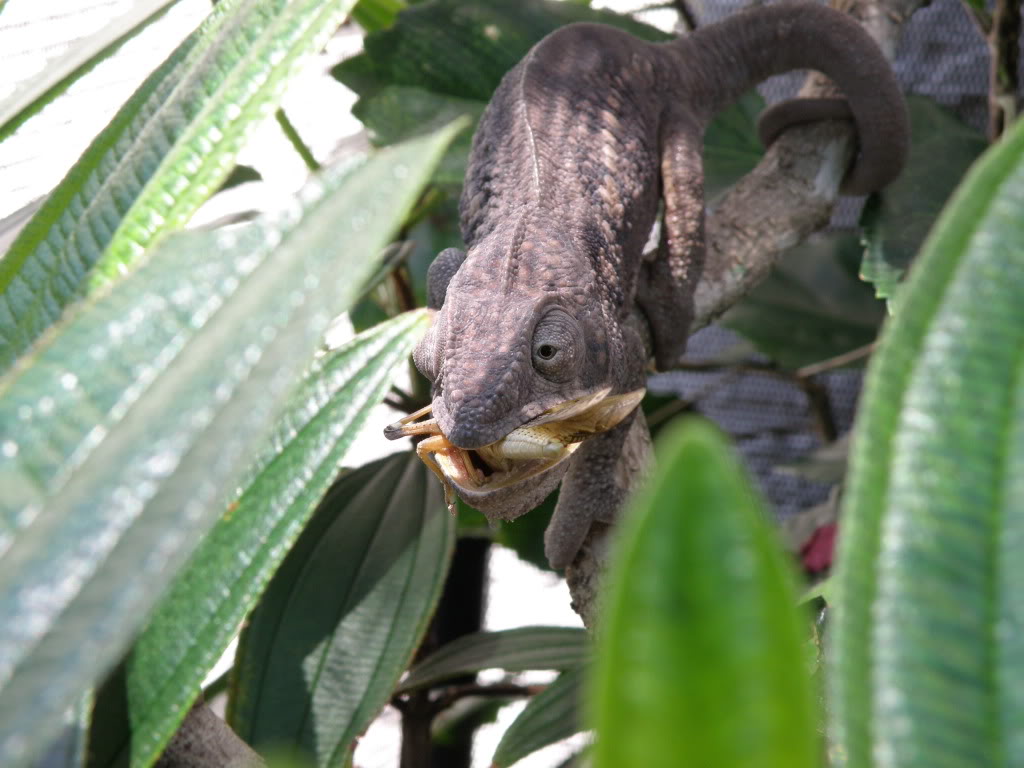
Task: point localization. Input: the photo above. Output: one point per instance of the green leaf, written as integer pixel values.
(701, 658)
(514, 650)
(341, 619)
(481, 42)
(812, 307)
(926, 656)
(395, 113)
(162, 156)
(898, 218)
(550, 716)
(197, 619)
(731, 145)
(374, 15)
(126, 432)
(29, 98)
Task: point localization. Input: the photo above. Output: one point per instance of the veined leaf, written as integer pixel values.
(550, 716)
(58, 75)
(197, 619)
(161, 157)
(927, 656)
(341, 619)
(514, 650)
(701, 658)
(124, 434)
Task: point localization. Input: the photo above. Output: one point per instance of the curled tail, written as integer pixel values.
(734, 55)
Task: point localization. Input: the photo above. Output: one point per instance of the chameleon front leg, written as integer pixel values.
(591, 491)
(665, 290)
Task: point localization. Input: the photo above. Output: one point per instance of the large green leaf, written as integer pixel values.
(514, 650)
(35, 93)
(701, 657)
(927, 650)
(481, 41)
(812, 306)
(197, 619)
(161, 157)
(124, 434)
(550, 716)
(898, 218)
(341, 619)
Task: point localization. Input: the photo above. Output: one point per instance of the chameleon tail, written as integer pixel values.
(730, 57)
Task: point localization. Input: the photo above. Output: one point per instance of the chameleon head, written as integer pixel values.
(520, 357)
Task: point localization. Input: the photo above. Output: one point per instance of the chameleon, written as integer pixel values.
(546, 323)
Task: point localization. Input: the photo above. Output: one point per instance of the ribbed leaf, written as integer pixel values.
(550, 716)
(701, 657)
(162, 156)
(197, 619)
(514, 650)
(124, 435)
(343, 616)
(35, 93)
(927, 645)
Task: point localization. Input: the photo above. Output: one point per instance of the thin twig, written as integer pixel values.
(981, 18)
(498, 690)
(839, 361)
(296, 141)
(1004, 50)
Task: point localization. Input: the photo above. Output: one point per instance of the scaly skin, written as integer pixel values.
(579, 144)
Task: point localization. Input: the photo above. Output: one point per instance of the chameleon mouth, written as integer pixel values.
(525, 452)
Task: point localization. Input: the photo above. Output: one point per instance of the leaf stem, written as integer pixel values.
(300, 146)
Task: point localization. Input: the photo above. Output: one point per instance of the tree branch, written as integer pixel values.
(787, 197)
(205, 741)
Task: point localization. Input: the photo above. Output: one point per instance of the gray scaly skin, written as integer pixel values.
(579, 144)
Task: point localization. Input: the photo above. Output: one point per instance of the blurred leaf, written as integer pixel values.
(197, 619)
(344, 614)
(395, 113)
(71, 746)
(374, 15)
(701, 655)
(812, 306)
(34, 93)
(167, 150)
(550, 716)
(481, 41)
(926, 656)
(240, 174)
(125, 432)
(731, 144)
(897, 219)
(514, 650)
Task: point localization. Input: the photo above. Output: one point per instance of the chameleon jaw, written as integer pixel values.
(525, 452)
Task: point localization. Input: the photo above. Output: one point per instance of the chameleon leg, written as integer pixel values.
(665, 292)
(591, 490)
(426, 449)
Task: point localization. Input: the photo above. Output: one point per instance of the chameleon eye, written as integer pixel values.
(556, 346)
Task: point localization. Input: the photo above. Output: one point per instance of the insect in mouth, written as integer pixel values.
(523, 453)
